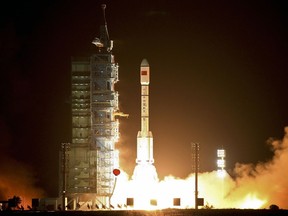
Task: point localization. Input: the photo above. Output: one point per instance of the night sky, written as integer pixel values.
(218, 77)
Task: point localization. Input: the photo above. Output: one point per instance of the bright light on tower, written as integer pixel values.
(221, 163)
(221, 153)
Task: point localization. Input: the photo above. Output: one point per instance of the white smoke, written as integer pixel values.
(267, 181)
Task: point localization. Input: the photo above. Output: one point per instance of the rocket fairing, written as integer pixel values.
(144, 137)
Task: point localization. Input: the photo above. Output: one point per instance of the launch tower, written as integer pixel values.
(95, 129)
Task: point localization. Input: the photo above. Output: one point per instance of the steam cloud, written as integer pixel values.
(268, 181)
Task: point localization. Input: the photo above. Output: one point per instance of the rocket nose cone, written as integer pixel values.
(144, 63)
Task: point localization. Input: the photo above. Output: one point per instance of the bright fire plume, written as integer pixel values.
(252, 187)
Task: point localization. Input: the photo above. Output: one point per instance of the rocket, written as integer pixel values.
(144, 137)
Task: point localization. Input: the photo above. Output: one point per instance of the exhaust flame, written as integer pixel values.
(251, 201)
(252, 187)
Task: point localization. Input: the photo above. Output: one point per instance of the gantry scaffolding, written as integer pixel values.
(95, 130)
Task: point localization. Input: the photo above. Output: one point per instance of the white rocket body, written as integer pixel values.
(144, 137)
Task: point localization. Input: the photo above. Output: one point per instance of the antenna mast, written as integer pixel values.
(103, 6)
(195, 158)
(104, 40)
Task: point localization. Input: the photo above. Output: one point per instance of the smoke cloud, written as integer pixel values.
(267, 181)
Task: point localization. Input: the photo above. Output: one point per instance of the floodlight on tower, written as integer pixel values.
(221, 163)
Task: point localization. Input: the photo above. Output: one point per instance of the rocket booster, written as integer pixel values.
(144, 137)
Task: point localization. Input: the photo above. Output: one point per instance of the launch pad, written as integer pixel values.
(89, 181)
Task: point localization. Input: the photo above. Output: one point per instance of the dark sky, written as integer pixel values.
(218, 77)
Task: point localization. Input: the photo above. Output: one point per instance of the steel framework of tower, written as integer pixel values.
(95, 130)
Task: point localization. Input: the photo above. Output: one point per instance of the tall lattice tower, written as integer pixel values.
(92, 156)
